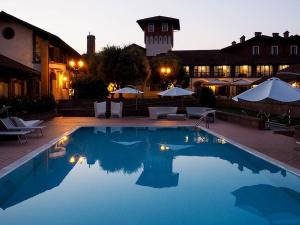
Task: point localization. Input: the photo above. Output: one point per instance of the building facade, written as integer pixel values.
(37, 50)
(237, 67)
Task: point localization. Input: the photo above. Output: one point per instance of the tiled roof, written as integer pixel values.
(218, 57)
(53, 39)
(8, 64)
(176, 23)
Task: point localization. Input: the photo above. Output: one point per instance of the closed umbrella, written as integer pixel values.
(271, 90)
(176, 91)
(129, 90)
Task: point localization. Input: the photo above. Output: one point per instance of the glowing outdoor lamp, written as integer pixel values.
(76, 65)
(72, 160)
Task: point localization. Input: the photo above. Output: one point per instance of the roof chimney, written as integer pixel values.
(233, 43)
(257, 34)
(286, 34)
(275, 34)
(243, 39)
(90, 44)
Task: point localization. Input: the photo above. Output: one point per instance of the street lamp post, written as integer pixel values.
(165, 72)
(76, 65)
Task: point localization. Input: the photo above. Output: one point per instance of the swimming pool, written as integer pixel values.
(141, 176)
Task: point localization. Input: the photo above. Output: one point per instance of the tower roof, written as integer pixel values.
(175, 22)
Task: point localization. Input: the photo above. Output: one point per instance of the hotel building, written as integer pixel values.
(232, 69)
(33, 62)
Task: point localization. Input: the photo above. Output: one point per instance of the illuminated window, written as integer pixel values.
(151, 27)
(201, 71)
(282, 67)
(243, 71)
(3, 89)
(264, 70)
(255, 50)
(222, 71)
(294, 50)
(165, 27)
(274, 50)
(186, 70)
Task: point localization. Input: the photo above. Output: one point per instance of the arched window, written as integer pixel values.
(165, 39)
(155, 40)
(151, 40)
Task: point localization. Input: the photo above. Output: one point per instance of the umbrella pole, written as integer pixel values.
(289, 115)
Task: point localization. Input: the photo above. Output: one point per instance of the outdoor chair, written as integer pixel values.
(100, 109)
(20, 134)
(116, 109)
(29, 123)
(156, 112)
(10, 126)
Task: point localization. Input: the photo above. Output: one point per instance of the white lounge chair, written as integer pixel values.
(23, 123)
(100, 109)
(10, 126)
(116, 109)
(197, 111)
(156, 112)
(20, 134)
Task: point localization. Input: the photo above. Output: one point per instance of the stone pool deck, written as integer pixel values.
(281, 148)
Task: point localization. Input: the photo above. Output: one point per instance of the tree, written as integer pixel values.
(177, 75)
(132, 66)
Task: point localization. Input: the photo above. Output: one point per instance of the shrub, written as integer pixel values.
(94, 88)
(26, 105)
(206, 97)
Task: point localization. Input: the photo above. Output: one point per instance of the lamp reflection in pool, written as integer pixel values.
(76, 158)
(200, 139)
(220, 141)
(164, 148)
(186, 139)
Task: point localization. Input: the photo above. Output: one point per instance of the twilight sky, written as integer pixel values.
(205, 24)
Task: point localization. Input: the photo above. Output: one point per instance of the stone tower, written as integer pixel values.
(159, 34)
(91, 44)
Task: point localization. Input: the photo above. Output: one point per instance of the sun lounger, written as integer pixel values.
(116, 109)
(23, 123)
(20, 134)
(9, 125)
(156, 112)
(100, 109)
(198, 111)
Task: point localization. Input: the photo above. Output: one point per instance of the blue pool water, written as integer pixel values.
(143, 176)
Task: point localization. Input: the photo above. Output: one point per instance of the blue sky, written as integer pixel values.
(205, 24)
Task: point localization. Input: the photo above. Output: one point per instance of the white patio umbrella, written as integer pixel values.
(129, 90)
(272, 90)
(176, 91)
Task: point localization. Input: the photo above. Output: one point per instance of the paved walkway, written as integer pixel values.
(276, 146)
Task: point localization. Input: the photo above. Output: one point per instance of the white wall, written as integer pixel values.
(19, 48)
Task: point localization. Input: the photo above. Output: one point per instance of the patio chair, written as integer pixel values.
(116, 109)
(10, 126)
(100, 109)
(23, 123)
(156, 112)
(20, 134)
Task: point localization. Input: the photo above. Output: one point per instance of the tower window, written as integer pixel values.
(255, 50)
(165, 27)
(274, 50)
(294, 50)
(151, 27)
